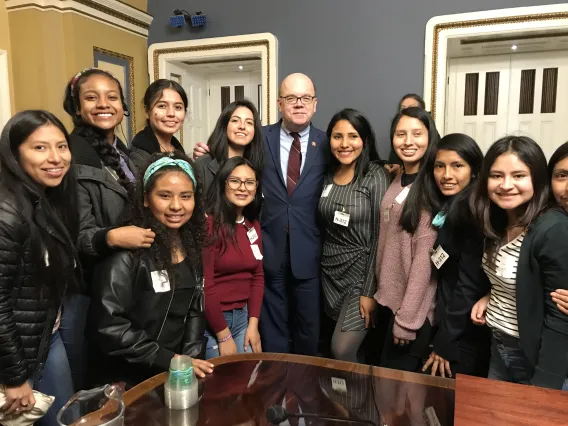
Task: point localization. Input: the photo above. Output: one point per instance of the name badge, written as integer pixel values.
(439, 257)
(326, 191)
(338, 385)
(386, 214)
(252, 235)
(506, 267)
(160, 281)
(256, 252)
(341, 218)
(402, 196)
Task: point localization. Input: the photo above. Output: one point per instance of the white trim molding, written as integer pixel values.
(111, 12)
(504, 21)
(263, 46)
(5, 102)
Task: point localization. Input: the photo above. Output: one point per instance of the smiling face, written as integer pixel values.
(100, 104)
(410, 141)
(509, 184)
(171, 200)
(451, 172)
(45, 156)
(240, 130)
(346, 144)
(297, 116)
(240, 187)
(560, 183)
(167, 114)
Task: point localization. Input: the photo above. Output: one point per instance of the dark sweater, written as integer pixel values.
(543, 268)
(461, 283)
(233, 278)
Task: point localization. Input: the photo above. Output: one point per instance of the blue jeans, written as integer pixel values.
(72, 331)
(508, 361)
(237, 321)
(55, 380)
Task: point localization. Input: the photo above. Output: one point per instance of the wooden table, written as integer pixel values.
(490, 402)
(243, 386)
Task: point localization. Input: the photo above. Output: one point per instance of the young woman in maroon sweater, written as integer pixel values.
(232, 260)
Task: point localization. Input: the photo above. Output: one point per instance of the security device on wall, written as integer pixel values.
(180, 17)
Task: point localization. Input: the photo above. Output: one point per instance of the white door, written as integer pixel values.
(477, 103)
(195, 125)
(228, 87)
(538, 105)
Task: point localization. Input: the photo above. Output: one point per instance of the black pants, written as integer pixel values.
(409, 357)
(290, 311)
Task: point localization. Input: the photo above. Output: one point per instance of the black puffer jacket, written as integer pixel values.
(129, 316)
(26, 320)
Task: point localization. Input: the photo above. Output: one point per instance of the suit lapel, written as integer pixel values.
(314, 145)
(273, 139)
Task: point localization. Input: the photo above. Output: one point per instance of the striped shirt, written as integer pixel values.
(502, 307)
(349, 252)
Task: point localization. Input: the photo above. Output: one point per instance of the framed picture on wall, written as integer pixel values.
(122, 67)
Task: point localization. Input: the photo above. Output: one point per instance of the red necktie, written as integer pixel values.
(294, 163)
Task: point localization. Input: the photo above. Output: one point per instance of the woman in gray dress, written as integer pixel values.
(349, 208)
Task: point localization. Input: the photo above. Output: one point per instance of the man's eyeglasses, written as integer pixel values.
(291, 100)
(235, 183)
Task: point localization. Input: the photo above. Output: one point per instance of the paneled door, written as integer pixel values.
(477, 104)
(538, 103)
(196, 119)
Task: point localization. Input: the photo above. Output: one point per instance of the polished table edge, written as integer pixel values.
(143, 388)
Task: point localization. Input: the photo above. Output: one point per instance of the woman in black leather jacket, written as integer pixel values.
(147, 304)
(38, 228)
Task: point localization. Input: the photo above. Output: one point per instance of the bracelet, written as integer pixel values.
(224, 339)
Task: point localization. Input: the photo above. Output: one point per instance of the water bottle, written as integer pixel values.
(180, 390)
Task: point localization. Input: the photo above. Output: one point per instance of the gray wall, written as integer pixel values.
(363, 54)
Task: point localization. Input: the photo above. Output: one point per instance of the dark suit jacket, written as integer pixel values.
(543, 268)
(295, 215)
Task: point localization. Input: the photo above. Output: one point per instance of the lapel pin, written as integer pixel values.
(313, 143)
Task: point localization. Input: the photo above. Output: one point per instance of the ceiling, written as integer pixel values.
(502, 44)
(247, 64)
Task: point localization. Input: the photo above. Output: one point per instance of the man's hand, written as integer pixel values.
(199, 150)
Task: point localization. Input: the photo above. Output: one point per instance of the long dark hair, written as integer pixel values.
(414, 96)
(493, 219)
(154, 93)
(190, 234)
(59, 205)
(415, 201)
(363, 126)
(222, 210)
(458, 214)
(93, 135)
(219, 143)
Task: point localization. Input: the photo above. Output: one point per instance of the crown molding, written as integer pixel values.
(111, 12)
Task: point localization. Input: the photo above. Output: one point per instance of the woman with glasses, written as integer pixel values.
(237, 134)
(232, 260)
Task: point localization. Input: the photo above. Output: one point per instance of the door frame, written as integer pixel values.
(262, 45)
(440, 29)
(5, 101)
